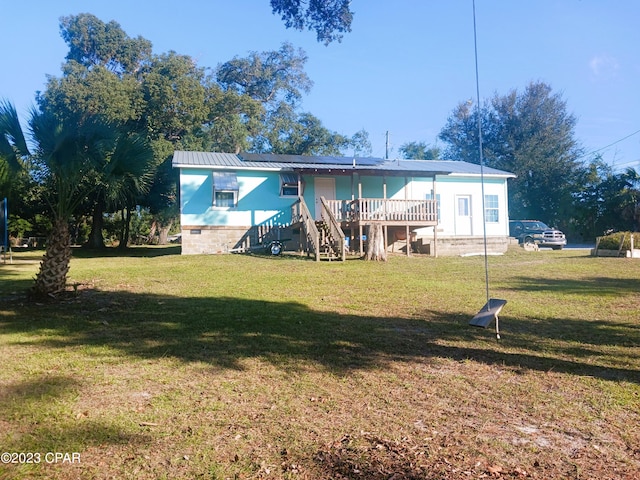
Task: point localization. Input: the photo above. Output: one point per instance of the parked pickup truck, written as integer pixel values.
(536, 232)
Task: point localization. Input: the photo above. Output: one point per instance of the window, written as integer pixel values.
(430, 197)
(225, 199)
(225, 189)
(491, 209)
(289, 184)
(463, 206)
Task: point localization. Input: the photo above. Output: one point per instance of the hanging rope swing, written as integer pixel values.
(492, 308)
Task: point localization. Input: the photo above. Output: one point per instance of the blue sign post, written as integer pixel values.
(4, 229)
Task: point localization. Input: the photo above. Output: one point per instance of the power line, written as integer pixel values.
(622, 166)
(611, 144)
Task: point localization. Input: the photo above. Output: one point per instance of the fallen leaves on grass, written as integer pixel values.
(495, 470)
(371, 457)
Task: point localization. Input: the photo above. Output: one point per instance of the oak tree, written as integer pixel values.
(328, 18)
(530, 134)
(419, 151)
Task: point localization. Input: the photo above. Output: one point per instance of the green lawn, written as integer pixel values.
(237, 366)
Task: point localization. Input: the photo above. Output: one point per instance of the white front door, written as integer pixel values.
(323, 187)
(463, 215)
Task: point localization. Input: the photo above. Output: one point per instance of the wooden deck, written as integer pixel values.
(344, 220)
(390, 212)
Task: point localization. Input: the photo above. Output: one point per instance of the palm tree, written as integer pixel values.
(120, 186)
(68, 155)
(129, 176)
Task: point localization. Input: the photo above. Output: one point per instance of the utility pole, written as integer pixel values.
(386, 154)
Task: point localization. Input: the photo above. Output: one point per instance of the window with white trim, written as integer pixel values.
(225, 189)
(289, 186)
(430, 197)
(491, 209)
(463, 207)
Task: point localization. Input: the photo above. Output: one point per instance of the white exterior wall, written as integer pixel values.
(448, 189)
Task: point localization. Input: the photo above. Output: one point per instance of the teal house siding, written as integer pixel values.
(344, 187)
(395, 187)
(259, 200)
(372, 187)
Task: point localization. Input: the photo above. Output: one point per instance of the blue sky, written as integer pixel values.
(402, 69)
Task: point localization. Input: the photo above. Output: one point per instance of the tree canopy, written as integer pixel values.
(93, 43)
(606, 201)
(328, 18)
(419, 151)
(530, 134)
(303, 134)
(277, 80)
(269, 77)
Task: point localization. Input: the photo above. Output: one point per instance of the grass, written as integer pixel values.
(169, 366)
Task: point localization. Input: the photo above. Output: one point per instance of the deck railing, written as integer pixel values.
(300, 213)
(386, 210)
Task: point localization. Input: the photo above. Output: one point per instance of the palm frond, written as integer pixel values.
(13, 145)
(68, 151)
(129, 171)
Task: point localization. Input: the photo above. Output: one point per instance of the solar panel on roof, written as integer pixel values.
(311, 160)
(369, 161)
(267, 157)
(327, 163)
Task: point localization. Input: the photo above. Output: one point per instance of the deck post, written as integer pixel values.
(360, 215)
(406, 198)
(408, 242)
(386, 237)
(435, 227)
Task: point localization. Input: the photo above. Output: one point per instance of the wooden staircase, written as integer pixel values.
(329, 246)
(324, 238)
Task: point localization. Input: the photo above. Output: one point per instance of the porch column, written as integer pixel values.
(385, 227)
(300, 193)
(360, 216)
(406, 198)
(435, 228)
(352, 231)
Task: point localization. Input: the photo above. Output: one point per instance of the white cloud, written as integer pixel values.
(604, 66)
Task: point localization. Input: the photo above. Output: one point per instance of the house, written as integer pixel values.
(325, 205)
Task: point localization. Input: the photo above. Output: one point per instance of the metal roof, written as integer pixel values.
(253, 161)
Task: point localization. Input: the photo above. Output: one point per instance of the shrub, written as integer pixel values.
(612, 241)
(19, 227)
